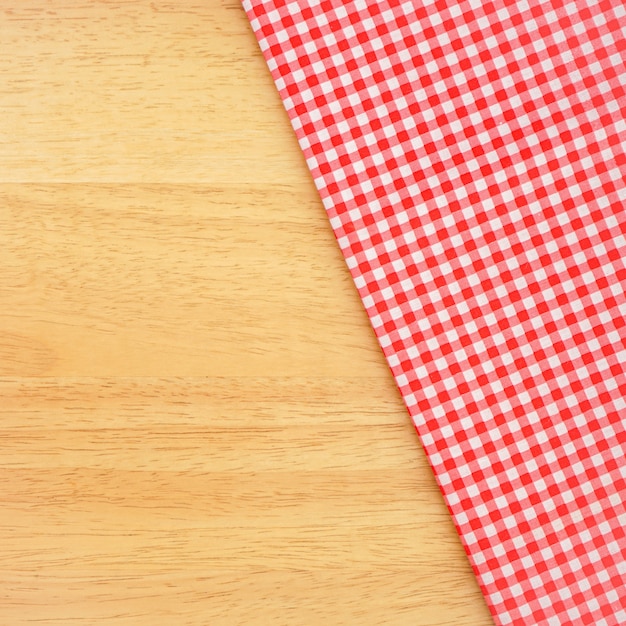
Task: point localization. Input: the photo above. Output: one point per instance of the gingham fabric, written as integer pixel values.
(470, 155)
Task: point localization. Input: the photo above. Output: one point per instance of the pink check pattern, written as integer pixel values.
(470, 155)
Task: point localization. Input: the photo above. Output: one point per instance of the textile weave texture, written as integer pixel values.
(470, 155)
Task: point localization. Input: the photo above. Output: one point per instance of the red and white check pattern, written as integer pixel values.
(471, 158)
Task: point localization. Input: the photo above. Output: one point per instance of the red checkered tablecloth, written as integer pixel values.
(471, 158)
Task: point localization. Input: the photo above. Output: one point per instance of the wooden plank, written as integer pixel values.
(155, 280)
(118, 91)
(221, 500)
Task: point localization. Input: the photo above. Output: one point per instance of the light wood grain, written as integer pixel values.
(196, 423)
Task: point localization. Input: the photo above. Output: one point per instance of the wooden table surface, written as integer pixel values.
(197, 426)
